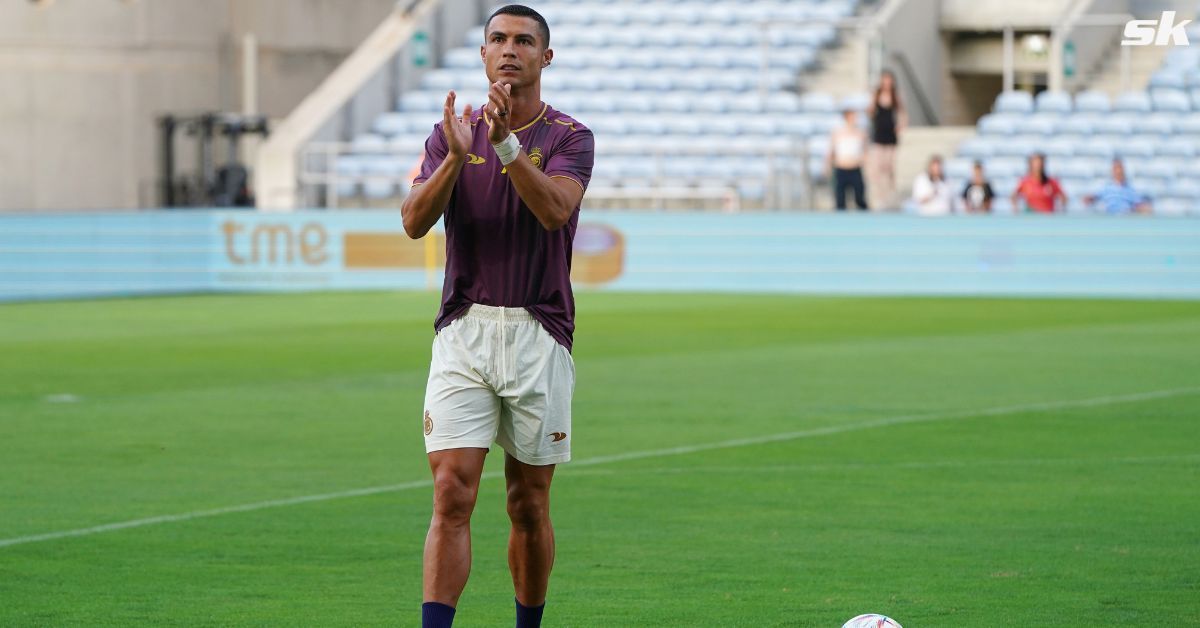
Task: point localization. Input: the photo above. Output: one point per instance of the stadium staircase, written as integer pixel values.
(661, 85)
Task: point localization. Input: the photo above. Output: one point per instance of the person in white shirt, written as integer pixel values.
(847, 148)
(931, 194)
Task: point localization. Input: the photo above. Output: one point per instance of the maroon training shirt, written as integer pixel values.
(497, 253)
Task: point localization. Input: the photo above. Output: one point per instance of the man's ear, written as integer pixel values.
(546, 57)
(483, 54)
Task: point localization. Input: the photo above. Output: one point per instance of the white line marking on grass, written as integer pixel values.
(883, 466)
(635, 455)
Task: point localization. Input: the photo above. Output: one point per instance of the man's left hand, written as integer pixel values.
(498, 112)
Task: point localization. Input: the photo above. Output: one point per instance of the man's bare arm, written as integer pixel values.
(427, 202)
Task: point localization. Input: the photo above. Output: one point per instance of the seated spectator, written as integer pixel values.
(977, 195)
(931, 194)
(1117, 196)
(847, 148)
(1040, 192)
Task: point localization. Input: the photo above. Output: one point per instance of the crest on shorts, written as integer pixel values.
(428, 423)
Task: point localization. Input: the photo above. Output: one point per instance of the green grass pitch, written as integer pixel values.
(792, 461)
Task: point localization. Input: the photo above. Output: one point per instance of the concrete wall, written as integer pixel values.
(81, 82)
(912, 49)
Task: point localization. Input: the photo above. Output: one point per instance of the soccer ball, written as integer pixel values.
(871, 621)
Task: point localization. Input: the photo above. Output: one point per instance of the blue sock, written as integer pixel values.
(529, 616)
(436, 615)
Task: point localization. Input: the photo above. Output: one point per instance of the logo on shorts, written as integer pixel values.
(556, 436)
(428, 423)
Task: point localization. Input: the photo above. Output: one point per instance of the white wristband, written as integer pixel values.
(508, 149)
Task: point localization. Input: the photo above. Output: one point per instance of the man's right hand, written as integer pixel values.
(457, 130)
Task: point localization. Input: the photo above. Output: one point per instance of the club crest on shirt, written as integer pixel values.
(535, 156)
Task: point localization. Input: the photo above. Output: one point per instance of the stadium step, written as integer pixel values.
(916, 146)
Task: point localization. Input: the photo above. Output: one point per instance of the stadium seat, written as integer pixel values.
(1093, 102)
(816, 102)
(1133, 102)
(998, 124)
(1038, 124)
(1172, 100)
(1154, 124)
(1054, 102)
(1014, 102)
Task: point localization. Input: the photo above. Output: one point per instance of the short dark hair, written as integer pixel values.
(521, 10)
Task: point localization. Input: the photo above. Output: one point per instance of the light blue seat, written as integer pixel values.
(1182, 57)
(998, 124)
(1157, 168)
(1053, 102)
(407, 144)
(644, 125)
(1114, 124)
(858, 102)
(1155, 124)
(464, 58)
(635, 103)
(1136, 147)
(817, 102)
(663, 36)
(978, 147)
(795, 125)
(1092, 102)
(1017, 146)
(389, 124)
(1174, 206)
(1184, 187)
(1058, 146)
(1176, 101)
(417, 102)
(369, 143)
(1014, 102)
(1038, 124)
(593, 81)
(603, 102)
(782, 102)
(1005, 167)
(650, 14)
(606, 125)
(758, 125)
(1179, 148)
(441, 80)
(960, 168)
(1074, 168)
(711, 104)
(1133, 102)
(348, 169)
(1002, 204)
(1170, 78)
(746, 103)
(1078, 124)
(1096, 147)
(673, 103)
(732, 81)
(823, 123)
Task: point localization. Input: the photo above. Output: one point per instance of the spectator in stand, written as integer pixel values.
(847, 148)
(1117, 196)
(931, 194)
(1040, 192)
(977, 195)
(888, 120)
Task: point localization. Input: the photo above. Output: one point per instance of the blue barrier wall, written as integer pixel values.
(73, 255)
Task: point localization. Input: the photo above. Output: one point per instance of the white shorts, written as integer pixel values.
(498, 377)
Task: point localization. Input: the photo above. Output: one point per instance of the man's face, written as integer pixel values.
(1118, 171)
(514, 51)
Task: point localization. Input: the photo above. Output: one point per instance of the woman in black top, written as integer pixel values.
(888, 119)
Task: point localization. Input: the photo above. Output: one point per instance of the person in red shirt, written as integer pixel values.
(1039, 190)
